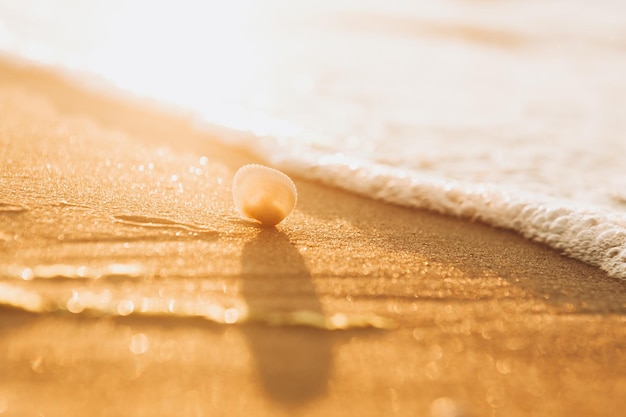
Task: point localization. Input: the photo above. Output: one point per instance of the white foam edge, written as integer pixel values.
(595, 235)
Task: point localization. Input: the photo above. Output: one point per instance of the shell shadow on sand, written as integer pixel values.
(293, 366)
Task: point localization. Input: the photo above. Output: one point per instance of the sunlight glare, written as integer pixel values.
(198, 55)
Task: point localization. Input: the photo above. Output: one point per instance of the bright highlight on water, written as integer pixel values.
(501, 113)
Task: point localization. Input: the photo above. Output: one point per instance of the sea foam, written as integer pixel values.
(503, 113)
(594, 234)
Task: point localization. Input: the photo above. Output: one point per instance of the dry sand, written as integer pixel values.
(488, 323)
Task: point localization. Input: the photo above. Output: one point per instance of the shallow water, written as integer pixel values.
(151, 267)
(507, 112)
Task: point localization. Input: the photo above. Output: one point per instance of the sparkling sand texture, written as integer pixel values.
(457, 246)
(130, 286)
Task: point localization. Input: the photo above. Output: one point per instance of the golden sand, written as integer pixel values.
(486, 322)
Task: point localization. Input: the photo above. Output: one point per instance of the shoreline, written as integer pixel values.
(487, 321)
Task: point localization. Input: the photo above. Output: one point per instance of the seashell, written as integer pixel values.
(264, 194)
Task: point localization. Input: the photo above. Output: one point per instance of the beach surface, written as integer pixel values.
(108, 199)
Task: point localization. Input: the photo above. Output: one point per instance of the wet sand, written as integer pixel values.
(487, 323)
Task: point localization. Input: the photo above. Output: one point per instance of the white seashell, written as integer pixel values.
(264, 194)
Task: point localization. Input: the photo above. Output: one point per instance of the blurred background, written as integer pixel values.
(513, 93)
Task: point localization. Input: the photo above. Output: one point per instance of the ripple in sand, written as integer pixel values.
(157, 222)
(107, 303)
(9, 208)
(67, 271)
